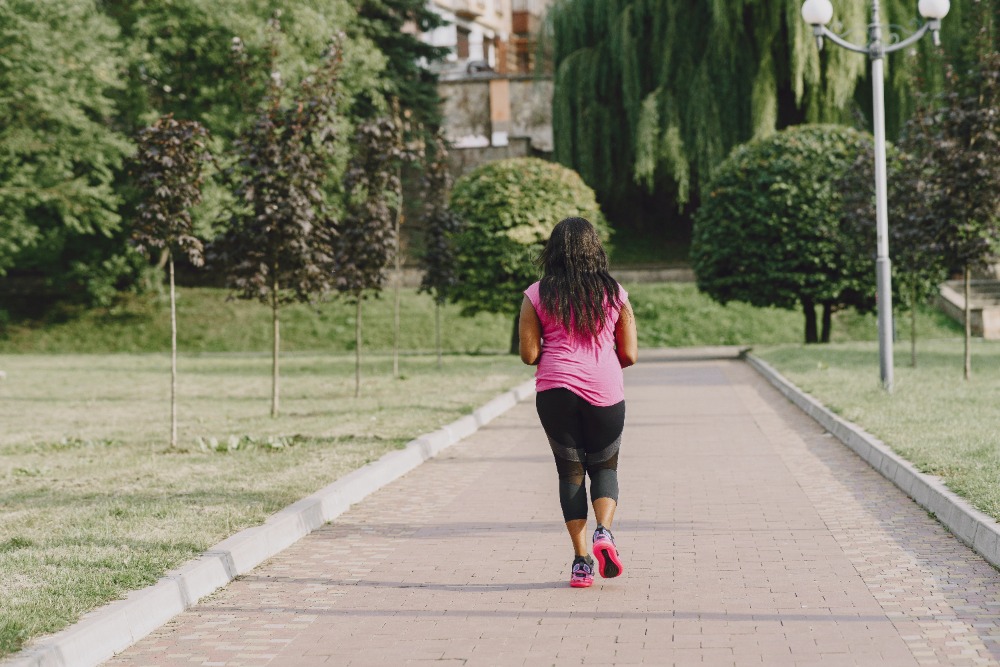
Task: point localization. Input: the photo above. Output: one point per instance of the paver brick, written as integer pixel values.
(749, 535)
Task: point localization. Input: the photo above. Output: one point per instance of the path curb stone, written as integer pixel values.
(111, 629)
(976, 529)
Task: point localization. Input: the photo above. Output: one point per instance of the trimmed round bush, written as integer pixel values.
(770, 230)
(508, 209)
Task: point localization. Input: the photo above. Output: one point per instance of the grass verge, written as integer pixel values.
(94, 505)
(668, 315)
(935, 419)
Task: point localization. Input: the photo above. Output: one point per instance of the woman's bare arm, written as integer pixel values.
(529, 331)
(626, 338)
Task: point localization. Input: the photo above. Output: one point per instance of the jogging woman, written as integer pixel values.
(577, 325)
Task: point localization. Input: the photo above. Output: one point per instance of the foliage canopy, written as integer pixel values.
(508, 209)
(58, 152)
(769, 231)
(651, 95)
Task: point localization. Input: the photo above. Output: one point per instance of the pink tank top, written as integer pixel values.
(588, 368)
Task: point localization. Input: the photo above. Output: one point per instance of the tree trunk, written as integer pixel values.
(276, 346)
(515, 338)
(357, 349)
(968, 323)
(913, 326)
(437, 329)
(399, 281)
(809, 310)
(173, 355)
(827, 322)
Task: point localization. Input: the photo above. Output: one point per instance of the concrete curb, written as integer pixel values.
(976, 529)
(102, 633)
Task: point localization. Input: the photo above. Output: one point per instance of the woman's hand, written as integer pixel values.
(529, 332)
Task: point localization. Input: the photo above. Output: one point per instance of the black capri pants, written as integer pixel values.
(585, 440)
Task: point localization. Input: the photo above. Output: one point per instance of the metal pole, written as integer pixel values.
(883, 273)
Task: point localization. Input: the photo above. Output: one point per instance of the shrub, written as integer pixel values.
(770, 229)
(508, 209)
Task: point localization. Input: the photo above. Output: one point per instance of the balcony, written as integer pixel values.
(523, 23)
(469, 9)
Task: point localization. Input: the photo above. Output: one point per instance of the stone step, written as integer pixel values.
(984, 305)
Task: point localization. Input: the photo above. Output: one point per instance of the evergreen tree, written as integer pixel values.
(395, 27)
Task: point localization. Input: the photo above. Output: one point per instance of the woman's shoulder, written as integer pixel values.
(532, 291)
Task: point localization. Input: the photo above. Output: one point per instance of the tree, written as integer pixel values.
(168, 165)
(917, 263)
(180, 61)
(368, 231)
(408, 77)
(441, 226)
(508, 209)
(280, 246)
(769, 231)
(958, 146)
(651, 95)
(58, 154)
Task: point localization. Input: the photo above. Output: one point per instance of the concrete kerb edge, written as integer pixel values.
(976, 529)
(111, 629)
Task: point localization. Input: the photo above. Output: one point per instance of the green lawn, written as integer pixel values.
(208, 321)
(94, 504)
(943, 424)
(677, 315)
(668, 315)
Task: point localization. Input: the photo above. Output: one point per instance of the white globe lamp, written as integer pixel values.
(820, 12)
(934, 9)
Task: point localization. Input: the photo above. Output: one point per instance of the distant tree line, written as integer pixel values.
(81, 79)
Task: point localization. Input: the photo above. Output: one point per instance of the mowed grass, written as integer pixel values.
(935, 419)
(677, 315)
(94, 504)
(209, 321)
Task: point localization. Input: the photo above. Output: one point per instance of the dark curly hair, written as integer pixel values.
(576, 287)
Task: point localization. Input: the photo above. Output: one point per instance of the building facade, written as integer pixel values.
(497, 36)
(495, 105)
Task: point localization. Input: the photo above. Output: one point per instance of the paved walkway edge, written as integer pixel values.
(976, 529)
(102, 633)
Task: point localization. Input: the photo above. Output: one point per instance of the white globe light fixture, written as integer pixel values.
(818, 13)
(934, 11)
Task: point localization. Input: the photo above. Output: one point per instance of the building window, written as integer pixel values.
(462, 44)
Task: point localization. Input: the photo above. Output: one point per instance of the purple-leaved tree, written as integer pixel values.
(168, 171)
(280, 246)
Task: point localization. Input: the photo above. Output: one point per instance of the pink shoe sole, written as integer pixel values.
(608, 563)
(581, 583)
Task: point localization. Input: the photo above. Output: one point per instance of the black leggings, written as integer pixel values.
(585, 439)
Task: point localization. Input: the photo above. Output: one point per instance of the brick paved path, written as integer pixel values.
(749, 537)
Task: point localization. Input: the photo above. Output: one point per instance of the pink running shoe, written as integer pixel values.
(582, 575)
(609, 564)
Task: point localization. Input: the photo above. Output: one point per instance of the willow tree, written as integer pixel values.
(661, 90)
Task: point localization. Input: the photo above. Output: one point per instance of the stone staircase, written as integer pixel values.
(984, 302)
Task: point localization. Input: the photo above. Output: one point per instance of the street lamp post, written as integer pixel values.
(818, 13)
